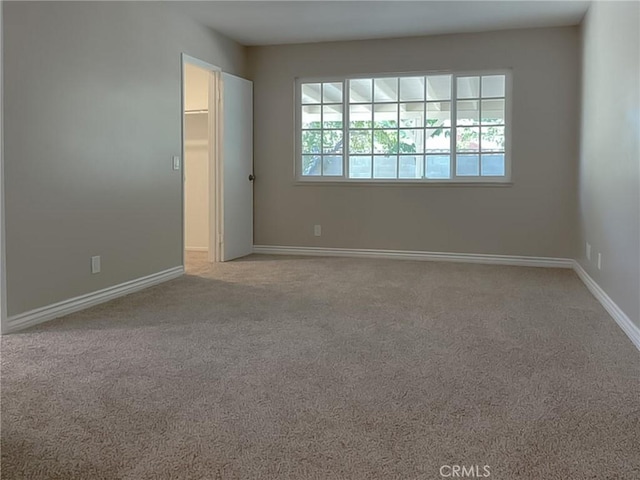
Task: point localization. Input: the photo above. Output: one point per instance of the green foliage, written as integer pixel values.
(436, 133)
(386, 138)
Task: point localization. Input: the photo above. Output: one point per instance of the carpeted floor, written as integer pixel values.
(327, 368)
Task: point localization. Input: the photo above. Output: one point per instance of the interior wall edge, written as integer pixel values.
(3, 284)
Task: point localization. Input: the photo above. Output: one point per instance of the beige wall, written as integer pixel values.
(609, 170)
(196, 183)
(196, 159)
(196, 95)
(92, 118)
(536, 216)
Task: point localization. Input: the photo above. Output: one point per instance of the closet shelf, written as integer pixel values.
(196, 143)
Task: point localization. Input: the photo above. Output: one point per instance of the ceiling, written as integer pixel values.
(279, 22)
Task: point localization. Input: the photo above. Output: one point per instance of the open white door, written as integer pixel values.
(236, 155)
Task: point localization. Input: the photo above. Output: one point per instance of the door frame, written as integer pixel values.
(213, 150)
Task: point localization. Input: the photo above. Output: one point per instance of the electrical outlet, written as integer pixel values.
(599, 261)
(588, 251)
(317, 230)
(95, 264)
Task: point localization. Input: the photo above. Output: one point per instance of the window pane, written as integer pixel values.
(385, 167)
(493, 86)
(385, 115)
(311, 116)
(438, 114)
(438, 140)
(332, 141)
(401, 127)
(385, 141)
(493, 139)
(493, 165)
(492, 112)
(411, 141)
(439, 87)
(468, 112)
(332, 116)
(311, 165)
(468, 139)
(360, 90)
(332, 92)
(311, 93)
(332, 165)
(411, 89)
(410, 166)
(385, 90)
(360, 116)
(311, 141)
(360, 141)
(359, 167)
(467, 165)
(468, 87)
(438, 166)
(411, 114)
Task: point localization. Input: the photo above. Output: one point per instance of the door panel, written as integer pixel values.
(237, 165)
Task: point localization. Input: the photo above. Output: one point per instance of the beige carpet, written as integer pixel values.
(326, 368)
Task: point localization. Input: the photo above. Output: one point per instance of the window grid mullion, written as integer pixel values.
(321, 130)
(345, 131)
(373, 113)
(424, 128)
(480, 126)
(453, 167)
(398, 128)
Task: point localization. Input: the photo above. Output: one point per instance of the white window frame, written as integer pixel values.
(505, 180)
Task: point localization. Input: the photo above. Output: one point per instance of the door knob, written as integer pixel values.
(251, 177)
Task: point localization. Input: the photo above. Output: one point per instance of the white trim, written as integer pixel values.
(199, 63)
(196, 249)
(515, 260)
(216, 169)
(368, 182)
(621, 318)
(43, 314)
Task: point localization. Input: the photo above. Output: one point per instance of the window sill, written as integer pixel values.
(382, 183)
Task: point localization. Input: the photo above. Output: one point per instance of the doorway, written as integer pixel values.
(218, 164)
(200, 84)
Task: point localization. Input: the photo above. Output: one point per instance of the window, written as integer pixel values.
(420, 128)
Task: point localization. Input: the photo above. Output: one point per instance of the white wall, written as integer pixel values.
(92, 118)
(609, 170)
(535, 216)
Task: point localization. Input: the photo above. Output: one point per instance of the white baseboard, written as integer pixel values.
(521, 261)
(623, 321)
(196, 249)
(43, 314)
